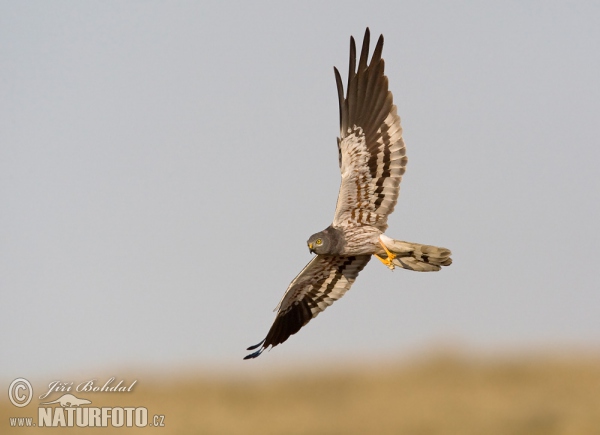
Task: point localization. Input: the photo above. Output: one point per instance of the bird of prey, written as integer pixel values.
(372, 161)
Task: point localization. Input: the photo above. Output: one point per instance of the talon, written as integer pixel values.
(390, 257)
(386, 261)
(389, 254)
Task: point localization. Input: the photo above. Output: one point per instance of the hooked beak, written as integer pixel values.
(310, 248)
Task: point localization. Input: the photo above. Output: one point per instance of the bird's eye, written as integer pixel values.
(318, 242)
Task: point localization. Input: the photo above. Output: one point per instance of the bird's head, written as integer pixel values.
(327, 242)
(318, 243)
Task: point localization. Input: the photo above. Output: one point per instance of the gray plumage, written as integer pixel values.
(372, 160)
(332, 242)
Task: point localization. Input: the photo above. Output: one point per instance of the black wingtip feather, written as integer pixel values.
(340, 90)
(352, 63)
(255, 346)
(364, 52)
(258, 352)
(255, 354)
(378, 49)
(364, 87)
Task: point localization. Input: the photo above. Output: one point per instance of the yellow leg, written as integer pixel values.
(390, 257)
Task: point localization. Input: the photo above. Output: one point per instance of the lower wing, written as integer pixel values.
(324, 280)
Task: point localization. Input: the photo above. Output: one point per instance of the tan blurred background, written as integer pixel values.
(436, 393)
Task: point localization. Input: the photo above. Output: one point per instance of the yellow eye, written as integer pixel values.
(318, 242)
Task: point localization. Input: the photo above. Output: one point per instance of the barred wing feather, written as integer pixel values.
(324, 280)
(371, 149)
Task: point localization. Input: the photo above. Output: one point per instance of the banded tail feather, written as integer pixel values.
(417, 257)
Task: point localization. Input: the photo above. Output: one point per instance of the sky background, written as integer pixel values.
(162, 165)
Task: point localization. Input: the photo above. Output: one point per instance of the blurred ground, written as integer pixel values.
(439, 394)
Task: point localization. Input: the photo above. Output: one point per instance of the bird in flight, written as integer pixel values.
(372, 159)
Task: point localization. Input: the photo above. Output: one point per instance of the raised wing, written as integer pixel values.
(324, 280)
(371, 149)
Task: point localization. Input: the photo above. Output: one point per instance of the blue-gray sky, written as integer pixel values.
(163, 163)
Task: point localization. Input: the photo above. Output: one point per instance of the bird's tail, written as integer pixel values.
(414, 256)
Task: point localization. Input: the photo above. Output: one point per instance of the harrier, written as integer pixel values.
(372, 161)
